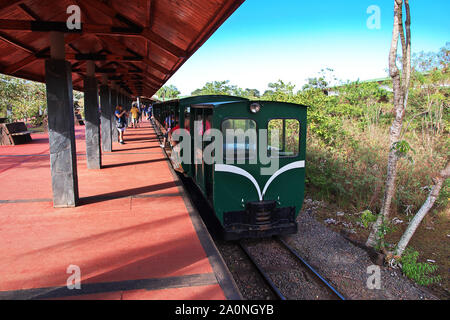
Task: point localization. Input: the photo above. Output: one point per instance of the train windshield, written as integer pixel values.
(240, 139)
(286, 136)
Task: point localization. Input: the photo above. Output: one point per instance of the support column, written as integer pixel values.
(106, 119)
(124, 99)
(63, 160)
(121, 102)
(92, 117)
(114, 104)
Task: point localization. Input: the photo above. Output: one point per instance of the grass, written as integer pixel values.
(352, 174)
(40, 129)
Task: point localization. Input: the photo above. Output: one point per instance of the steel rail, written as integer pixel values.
(311, 269)
(298, 258)
(266, 278)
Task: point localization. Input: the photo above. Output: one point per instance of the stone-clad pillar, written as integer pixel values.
(63, 159)
(121, 102)
(124, 100)
(114, 104)
(92, 117)
(106, 119)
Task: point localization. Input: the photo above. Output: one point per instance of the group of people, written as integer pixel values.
(170, 124)
(131, 119)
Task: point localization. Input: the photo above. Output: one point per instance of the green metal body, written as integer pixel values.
(233, 193)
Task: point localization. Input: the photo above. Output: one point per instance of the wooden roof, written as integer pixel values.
(139, 43)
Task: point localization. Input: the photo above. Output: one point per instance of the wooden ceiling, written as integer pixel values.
(139, 44)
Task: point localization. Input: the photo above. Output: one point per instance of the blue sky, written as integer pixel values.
(292, 40)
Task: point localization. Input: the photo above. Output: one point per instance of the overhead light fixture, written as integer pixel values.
(255, 107)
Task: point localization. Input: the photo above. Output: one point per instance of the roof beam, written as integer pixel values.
(150, 15)
(145, 60)
(8, 39)
(29, 12)
(61, 26)
(33, 57)
(152, 77)
(147, 86)
(163, 43)
(146, 32)
(13, 68)
(5, 4)
(108, 11)
(94, 57)
(141, 78)
(126, 76)
(144, 76)
(47, 26)
(103, 70)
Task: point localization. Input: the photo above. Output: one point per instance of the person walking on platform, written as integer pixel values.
(121, 122)
(141, 112)
(149, 112)
(134, 115)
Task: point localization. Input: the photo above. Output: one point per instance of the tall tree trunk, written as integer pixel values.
(400, 87)
(426, 207)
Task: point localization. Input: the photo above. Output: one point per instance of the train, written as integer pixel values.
(255, 182)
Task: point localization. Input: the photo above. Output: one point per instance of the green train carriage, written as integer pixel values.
(181, 109)
(247, 203)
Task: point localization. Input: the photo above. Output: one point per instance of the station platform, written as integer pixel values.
(135, 234)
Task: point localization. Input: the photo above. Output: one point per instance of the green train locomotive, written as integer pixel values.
(251, 197)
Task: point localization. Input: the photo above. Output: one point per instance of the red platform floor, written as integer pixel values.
(133, 236)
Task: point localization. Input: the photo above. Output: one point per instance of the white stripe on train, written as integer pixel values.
(242, 172)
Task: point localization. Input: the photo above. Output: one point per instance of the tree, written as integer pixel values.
(168, 92)
(426, 207)
(280, 91)
(322, 81)
(26, 99)
(401, 83)
(252, 93)
(427, 61)
(217, 88)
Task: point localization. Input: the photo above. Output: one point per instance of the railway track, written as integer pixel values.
(287, 274)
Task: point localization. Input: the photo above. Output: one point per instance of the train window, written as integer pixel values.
(187, 121)
(243, 147)
(200, 124)
(288, 136)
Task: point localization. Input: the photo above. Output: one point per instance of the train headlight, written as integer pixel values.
(255, 107)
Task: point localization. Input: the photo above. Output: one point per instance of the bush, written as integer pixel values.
(417, 271)
(367, 217)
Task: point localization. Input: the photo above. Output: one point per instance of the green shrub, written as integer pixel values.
(418, 271)
(367, 217)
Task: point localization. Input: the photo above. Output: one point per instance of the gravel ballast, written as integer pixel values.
(346, 265)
